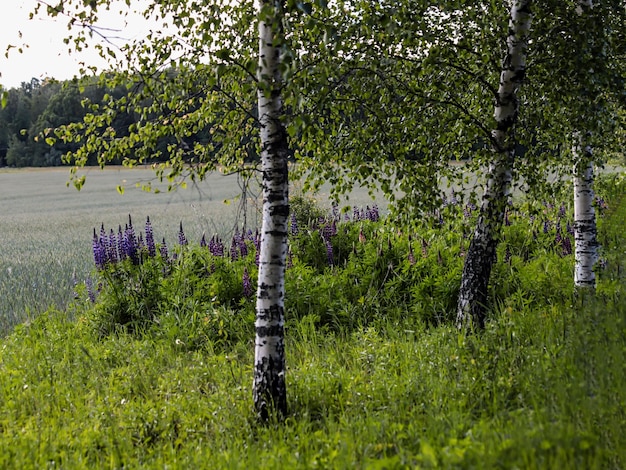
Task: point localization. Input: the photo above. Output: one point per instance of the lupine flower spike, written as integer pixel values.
(99, 254)
(329, 252)
(163, 251)
(150, 239)
(247, 284)
(294, 225)
(182, 240)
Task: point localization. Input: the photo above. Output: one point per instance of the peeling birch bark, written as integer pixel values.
(269, 389)
(585, 231)
(481, 254)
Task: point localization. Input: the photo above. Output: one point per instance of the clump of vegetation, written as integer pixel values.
(345, 271)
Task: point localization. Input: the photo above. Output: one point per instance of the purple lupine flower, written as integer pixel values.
(562, 211)
(163, 251)
(411, 256)
(326, 232)
(121, 251)
(90, 292)
(99, 252)
(130, 244)
(247, 284)
(329, 252)
(558, 238)
(507, 222)
(293, 225)
(569, 228)
(182, 240)
(112, 247)
(103, 234)
(375, 213)
(356, 215)
(150, 239)
(567, 246)
(216, 246)
(234, 247)
(546, 226)
(130, 233)
(243, 248)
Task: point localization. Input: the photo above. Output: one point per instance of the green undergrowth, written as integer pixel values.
(377, 375)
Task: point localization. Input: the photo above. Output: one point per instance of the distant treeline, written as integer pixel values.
(37, 107)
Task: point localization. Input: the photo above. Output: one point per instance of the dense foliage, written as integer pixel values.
(36, 108)
(343, 270)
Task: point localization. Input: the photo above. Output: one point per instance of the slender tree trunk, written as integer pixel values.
(269, 390)
(482, 250)
(585, 231)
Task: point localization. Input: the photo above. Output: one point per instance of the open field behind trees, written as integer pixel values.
(46, 228)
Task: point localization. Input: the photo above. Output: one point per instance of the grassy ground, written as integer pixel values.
(544, 386)
(46, 227)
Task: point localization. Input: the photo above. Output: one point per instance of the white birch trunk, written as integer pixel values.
(585, 230)
(269, 390)
(482, 250)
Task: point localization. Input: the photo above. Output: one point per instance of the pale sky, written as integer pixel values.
(46, 55)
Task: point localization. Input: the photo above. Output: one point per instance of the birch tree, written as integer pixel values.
(269, 388)
(482, 250)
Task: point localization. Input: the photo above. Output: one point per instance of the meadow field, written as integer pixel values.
(46, 227)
